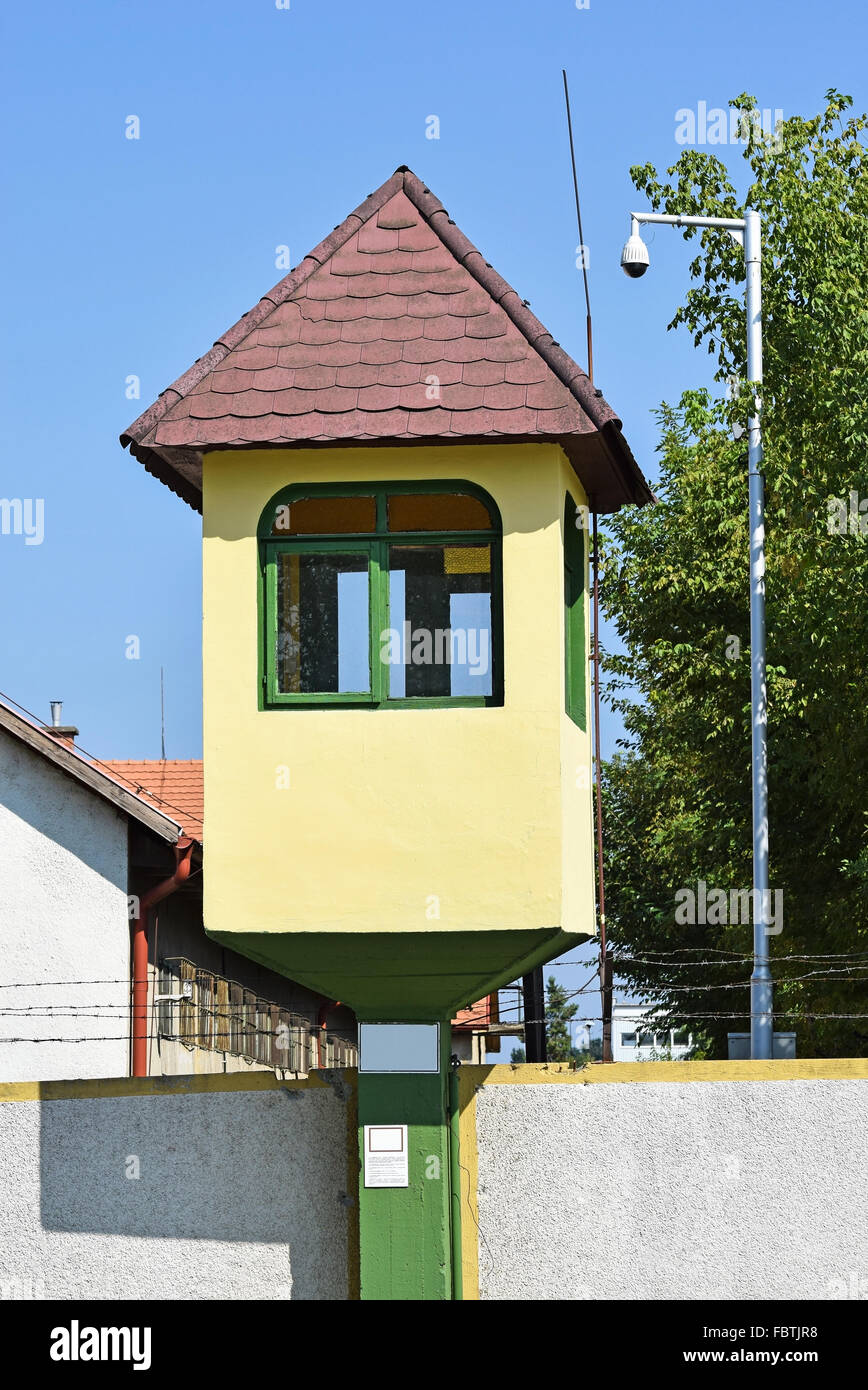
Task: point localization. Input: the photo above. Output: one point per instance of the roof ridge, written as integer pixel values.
(264, 306)
(568, 372)
(154, 762)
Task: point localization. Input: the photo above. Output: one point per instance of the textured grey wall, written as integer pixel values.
(694, 1190)
(239, 1195)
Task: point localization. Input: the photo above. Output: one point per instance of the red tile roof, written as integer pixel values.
(175, 787)
(353, 345)
(475, 1018)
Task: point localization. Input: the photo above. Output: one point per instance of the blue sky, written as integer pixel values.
(262, 127)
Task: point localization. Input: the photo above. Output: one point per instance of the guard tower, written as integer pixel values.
(395, 464)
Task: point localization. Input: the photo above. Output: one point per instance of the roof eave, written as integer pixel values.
(624, 485)
(88, 774)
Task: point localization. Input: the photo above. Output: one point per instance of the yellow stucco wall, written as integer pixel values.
(392, 815)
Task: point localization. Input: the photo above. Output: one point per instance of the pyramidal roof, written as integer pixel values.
(394, 330)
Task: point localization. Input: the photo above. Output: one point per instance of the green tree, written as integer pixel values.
(676, 586)
(559, 1015)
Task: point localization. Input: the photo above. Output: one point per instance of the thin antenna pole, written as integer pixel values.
(162, 718)
(581, 233)
(606, 964)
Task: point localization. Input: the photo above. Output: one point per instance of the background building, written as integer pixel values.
(638, 1036)
(81, 844)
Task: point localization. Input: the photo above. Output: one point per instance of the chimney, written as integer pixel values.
(66, 733)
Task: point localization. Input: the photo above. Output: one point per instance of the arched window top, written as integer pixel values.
(378, 509)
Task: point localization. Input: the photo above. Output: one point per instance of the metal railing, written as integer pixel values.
(222, 1016)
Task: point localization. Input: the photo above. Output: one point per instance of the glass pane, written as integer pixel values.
(439, 639)
(322, 624)
(399, 1047)
(437, 511)
(324, 516)
(576, 657)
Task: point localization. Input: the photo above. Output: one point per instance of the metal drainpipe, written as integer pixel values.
(183, 856)
(321, 1020)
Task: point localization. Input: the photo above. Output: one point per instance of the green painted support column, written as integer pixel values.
(405, 1232)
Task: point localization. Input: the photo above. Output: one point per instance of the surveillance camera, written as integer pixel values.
(634, 257)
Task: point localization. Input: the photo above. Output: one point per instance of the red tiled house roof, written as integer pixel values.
(176, 788)
(475, 1018)
(342, 351)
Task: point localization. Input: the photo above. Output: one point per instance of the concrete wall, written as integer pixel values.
(240, 1193)
(649, 1181)
(63, 916)
(701, 1188)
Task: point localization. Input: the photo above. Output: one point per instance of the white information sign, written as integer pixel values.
(386, 1159)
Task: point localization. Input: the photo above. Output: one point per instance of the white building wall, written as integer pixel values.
(650, 1042)
(63, 917)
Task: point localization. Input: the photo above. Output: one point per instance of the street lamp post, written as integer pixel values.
(634, 259)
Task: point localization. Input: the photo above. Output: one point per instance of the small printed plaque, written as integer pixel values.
(386, 1159)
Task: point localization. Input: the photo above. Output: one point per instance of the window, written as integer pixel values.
(628, 1039)
(575, 652)
(381, 594)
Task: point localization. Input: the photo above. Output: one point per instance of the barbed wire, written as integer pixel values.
(36, 984)
(590, 1018)
(736, 958)
(99, 1009)
(678, 1017)
(807, 955)
(832, 976)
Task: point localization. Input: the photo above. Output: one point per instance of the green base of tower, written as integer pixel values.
(406, 1233)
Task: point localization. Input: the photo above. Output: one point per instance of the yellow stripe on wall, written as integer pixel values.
(608, 1073)
(110, 1088)
(469, 1165)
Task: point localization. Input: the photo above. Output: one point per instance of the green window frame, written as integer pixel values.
(375, 545)
(575, 642)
